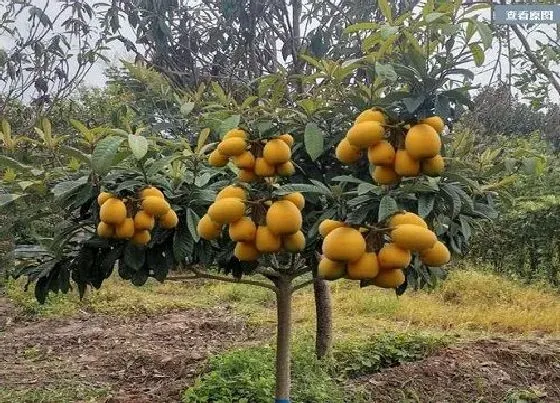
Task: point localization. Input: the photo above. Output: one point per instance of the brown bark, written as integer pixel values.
(323, 314)
(6, 248)
(283, 335)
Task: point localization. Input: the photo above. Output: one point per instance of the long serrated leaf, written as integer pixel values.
(134, 256)
(186, 108)
(322, 186)
(387, 207)
(299, 187)
(348, 179)
(6, 128)
(385, 9)
(314, 139)
(192, 222)
(465, 227)
(485, 32)
(65, 188)
(74, 152)
(229, 123)
(10, 162)
(138, 145)
(183, 243)
(84, 131)
(478, 54)
(425, 204)
(360, 26)
(202, 137)
(160, 164)
(453, 197)
(105, 153)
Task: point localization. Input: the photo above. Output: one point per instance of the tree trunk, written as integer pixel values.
(283, 335)
(323, 314)
(6, 248)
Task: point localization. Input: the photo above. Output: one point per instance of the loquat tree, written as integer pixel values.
(254, 202)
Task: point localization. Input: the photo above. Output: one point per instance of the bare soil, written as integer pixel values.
(479, 371)
(153, 358)
(139, 359)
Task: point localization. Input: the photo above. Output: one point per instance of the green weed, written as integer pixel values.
(247, 375)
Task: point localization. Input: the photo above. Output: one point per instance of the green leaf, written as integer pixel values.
(412, 103)
(138, 145)
(134, 256)
(425, 204)
(229, 123)
(387, 207)
(183, 243)
(385, 9)
(348, 179)
(320, 185)
(299, 187)
(478, 54)
(6, 128)
(64, 188)
(360, 26)
(385, 71)
(453, 197)
(365, 187)
(202, 137)
(78, 154)
(485, 33)
(313, 140)
(160, 164)
(432, 17)
(79, 126)
(139, 278)
(104, 154)
(218, 90)
(47, 128)
(465, 227)
(9, 162)
(186, 108)
(248, 101)
(386, 31)
(6, 199)
(192, 222)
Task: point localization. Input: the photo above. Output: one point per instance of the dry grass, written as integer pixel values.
(468, 301)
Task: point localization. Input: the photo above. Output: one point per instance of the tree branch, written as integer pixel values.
(536, 62)
(181, 278)
(200, 274)
(302, 284)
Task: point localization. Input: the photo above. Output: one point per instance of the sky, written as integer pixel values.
(117, 52)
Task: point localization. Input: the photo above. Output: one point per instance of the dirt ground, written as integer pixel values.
(151, 359)
(140, 359)
(479, 371)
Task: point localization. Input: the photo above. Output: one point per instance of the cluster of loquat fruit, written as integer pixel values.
(257, 226)
(395, 150)
(133, 219)
(363, 254)
(255, 159)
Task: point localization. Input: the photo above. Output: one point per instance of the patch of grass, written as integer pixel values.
(468, 301)
(54, 394)
(247, 375)
(354, 358)
(524, 396)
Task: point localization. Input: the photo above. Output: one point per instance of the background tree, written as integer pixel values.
(37, 61)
